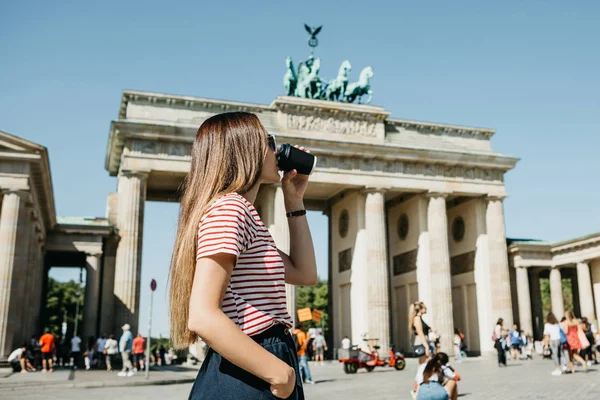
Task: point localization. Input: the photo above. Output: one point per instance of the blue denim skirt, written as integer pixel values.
(219, 379)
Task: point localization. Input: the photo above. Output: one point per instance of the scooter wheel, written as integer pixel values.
(369, 368)
(352, 368)
(400, 364)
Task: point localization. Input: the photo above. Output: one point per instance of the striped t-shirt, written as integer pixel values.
(255, 296)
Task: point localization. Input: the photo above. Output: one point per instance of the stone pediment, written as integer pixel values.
(13, 143)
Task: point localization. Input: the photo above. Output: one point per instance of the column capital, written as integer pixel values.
(128, 173)
(374, 189)
(490, 197)
(21, 192)
(432, 194)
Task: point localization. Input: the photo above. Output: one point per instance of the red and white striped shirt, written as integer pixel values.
(255, 296)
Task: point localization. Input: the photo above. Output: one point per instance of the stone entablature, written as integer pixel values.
(155, 133)
(542, 254)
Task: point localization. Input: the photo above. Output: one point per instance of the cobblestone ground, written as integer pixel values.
(482, 379)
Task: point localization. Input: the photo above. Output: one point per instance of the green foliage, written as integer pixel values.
(62, 297)
(314, 297)
(567, 291)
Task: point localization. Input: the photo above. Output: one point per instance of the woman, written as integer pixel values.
(497, 338)
(421, 345)
(433, 377)
(552, 335)
(571, 327)
(457, 345)
(111, 348)
(227, 278)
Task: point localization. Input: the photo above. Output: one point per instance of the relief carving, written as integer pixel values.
(331, 125)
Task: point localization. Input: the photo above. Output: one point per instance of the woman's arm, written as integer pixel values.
(300, 265)
(208, 321)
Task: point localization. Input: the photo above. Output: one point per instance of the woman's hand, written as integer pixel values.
(294, 186)
(427, 350)
(283, 385)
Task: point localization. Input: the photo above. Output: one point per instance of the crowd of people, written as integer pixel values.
(568, 342)
(105, 352)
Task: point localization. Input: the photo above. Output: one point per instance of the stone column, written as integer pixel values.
(12, 216)
(132, 196)
(92, 294)
(524, 300)
(498, 258)
(377, 268)
(586, 296)
(441, 284)
(558, 305)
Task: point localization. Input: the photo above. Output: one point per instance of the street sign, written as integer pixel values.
(304, 314)
(153, 285)
(316, 316)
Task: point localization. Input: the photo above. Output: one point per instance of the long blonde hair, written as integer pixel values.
(227, 156)
(414, 309)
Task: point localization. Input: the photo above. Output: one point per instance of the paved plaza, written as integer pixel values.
(482, 379)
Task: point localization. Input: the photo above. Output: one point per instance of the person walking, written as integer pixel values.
(100, 343)
(302, 339)
(497, 337)
(457, 345)
(139, 346)
(571, 328)
(227, 277)
(552, 334)
(515, 342)
(75, 351)
(125, 345)
(320, 347)
(111, 348)
(47, 343)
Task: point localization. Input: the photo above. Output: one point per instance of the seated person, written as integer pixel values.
(18, 360)
(436, 380)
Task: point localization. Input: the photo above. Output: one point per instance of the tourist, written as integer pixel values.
(587, 353)
(302, 339)
(47, 343)
(320, 347)
(111, 348)
(88, 354)
(223, 250)
(498, 339)
(515, 342)
(18, 360)
(553, 336)
(139, 345)
(75, 351)
(572, 327)
(346, 343)
(125, 345)
(422, 347)
(435, 383)
(457, 345)
(100, 343)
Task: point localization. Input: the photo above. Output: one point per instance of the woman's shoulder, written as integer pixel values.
(233, 203)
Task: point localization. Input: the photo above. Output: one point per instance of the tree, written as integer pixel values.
(315, 297)
(62, 297)
(567, 292)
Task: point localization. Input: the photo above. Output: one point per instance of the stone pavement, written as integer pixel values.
(482, 379)
(67, 378)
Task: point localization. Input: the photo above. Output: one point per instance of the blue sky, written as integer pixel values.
(530, 70)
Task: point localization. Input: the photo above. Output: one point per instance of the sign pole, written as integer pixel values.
(152, 288)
